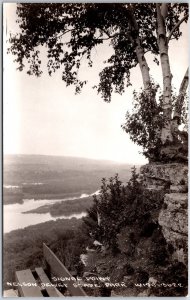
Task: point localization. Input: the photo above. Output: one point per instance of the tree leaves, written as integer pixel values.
(146, 121)
(71, 30)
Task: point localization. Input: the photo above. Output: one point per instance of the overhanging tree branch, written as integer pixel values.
(109, 36)
(181, 96)
(133, 30)
(176, 26)
(63, 33)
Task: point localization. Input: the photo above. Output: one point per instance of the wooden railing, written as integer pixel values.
(36, 283)
(57, 269)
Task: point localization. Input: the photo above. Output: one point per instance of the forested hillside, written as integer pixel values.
(54, 177)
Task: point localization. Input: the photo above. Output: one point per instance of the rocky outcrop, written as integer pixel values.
(173, 216)
(173, 219)
(165, 174)
(151, 256)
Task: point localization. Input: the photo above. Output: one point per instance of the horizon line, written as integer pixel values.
(69, 156)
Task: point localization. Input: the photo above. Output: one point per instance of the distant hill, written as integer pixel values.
(66, 162)
(27, 167)
(42, 176)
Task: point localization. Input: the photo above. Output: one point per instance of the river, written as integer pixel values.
(15, 219)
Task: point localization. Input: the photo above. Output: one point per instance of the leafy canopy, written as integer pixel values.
(71, 31)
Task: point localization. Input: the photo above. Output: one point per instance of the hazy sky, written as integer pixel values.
(42, 116)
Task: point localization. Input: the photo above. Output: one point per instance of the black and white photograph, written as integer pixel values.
(95, 149)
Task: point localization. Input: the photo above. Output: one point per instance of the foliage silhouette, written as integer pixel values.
(71, 31)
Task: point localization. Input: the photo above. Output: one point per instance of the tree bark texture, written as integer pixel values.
(166, 134)
(143, 65)
(140, 54)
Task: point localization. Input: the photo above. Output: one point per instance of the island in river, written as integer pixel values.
(38, 188)
(65, 208)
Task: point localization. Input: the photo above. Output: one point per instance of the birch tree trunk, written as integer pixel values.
(140, 55)
(145, 71)
(143, 65)
(166, 133)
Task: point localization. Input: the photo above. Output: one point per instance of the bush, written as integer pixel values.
(145, 123)
(118, 206)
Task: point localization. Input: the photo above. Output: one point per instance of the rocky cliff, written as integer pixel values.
(152, 242)
(173, 216)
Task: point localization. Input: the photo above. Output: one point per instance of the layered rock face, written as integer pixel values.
(160, 174)
(173, 216)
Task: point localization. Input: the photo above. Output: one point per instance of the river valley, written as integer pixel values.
(15, 216)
